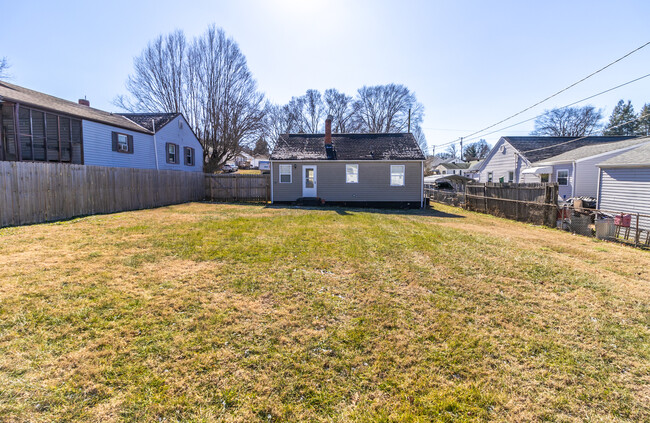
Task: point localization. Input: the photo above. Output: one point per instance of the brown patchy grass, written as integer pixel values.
(213, 312)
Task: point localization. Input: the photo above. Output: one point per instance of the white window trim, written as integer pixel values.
(403, 172)
(557, 177)
(355, 166)
(280, 174)
(511, 172)
(490, 176)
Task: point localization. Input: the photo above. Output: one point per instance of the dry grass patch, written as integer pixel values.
(206, 312)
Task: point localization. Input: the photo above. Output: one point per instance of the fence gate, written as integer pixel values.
(238, 187)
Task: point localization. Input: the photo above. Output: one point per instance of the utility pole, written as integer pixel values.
(409, 120)
(461, 148)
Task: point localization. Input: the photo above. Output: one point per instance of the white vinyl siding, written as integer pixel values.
(352, 174)
(285, 174)
(626, 190)
(397, 175)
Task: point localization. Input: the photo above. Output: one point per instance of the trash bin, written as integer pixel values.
(580, 225)
(605, 228)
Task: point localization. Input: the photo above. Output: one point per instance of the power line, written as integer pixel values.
(561, 91)
(560, 108)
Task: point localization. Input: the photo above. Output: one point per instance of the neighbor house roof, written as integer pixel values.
(536, 149)
(147, 120)
(475, 166)
(637, 157)
(594, 150)
(455, 165)
(348, 147)
(21, 95)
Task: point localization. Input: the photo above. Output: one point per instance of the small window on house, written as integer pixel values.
(397, 175)
(511, 176)
(172, 153)
(285, 173)
(189, 156)
(563, 177)
(490, 176)
(122, 143)
(544, 178)
(352, 174)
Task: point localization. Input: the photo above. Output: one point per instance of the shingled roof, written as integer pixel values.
(21, 95)
(535, 149)
(348, 147)
(638, 157)
(147, 120)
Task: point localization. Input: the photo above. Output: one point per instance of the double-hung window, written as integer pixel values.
(285, 173)
(511, 176)
(397, 175)
(490, 176)
(189, 156)
(563, 177)
(351, 173)
(172, 155)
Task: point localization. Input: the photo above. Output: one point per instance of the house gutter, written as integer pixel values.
(422, 185)
(155, 145)
(272, 180)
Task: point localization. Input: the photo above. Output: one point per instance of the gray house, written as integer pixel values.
(510, 156)
(378, 170)
(624, 183)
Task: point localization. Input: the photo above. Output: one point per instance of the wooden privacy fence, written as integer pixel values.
(44, 192)
(238, 187)
(534, 203)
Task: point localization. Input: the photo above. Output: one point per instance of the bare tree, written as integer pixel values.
(568, 122)
(278, 120)
(385, 108)
(209, 82)
(4, 65)
(476, 151)
(342, 109)
(452, 152)
(157, 84)
(418, 133)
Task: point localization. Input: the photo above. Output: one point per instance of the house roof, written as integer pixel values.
(348, 147)
(637, 157)
(455, 165)
(147, 120)
(594, 150)
(536, 149)
(21, 95)
(476, 166)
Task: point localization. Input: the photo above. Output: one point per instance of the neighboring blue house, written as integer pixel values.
(38, 127)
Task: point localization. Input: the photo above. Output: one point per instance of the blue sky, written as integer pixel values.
(471, 63)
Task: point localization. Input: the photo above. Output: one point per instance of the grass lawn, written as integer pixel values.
(204, 312)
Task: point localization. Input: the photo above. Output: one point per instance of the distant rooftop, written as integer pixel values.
(637, 157)
(594, 150)
(536, 149)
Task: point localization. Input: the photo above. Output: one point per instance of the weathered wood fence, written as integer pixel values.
(46, 192)
(534, 203)
(238, 187)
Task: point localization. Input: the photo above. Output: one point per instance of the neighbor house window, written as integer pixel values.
(122, 143)
(563, 177)
(352, 174)
(285, 173)
(172, 153)
(543, 178)
(511, 176)
(189, 156)
(490, 176)
(397, 175)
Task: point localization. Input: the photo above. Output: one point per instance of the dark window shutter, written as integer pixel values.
(192, 153)
(178, 154)
(114, 141)
(130, 141)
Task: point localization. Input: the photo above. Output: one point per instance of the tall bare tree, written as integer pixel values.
(418, 133)
(278, 120)
(385, 108)
(209, 82)
(342, 109)
(568, 122)
(476, 151)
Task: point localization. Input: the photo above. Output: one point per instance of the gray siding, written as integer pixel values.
(626, 190)
(564, 191)
(500, 162)
(374, 182)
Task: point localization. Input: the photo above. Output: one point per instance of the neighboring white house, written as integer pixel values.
(624, 183)
(576, 172)
(511, 155)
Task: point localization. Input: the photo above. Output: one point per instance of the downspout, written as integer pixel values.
(422, 185)
(271, 164)
(155, 145)
(573, 180)
(600, 175)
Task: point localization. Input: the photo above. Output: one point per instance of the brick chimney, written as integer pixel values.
(84, 102)
(328, 130)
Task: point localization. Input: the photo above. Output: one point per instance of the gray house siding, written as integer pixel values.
(373, 186)
(503, 158)
(183, 136)
(626, 190)
(564, 191)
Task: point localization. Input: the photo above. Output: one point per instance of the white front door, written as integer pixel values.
(309, 181)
